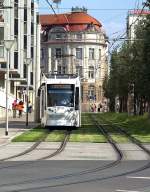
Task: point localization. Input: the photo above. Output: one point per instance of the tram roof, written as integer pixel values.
(61, 79)
(60, 76)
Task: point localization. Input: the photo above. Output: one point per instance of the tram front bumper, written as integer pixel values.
(63, 119)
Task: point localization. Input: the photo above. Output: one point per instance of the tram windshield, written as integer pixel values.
(60, 95)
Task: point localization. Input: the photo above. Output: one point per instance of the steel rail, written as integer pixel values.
(97, 169)
(134, 140)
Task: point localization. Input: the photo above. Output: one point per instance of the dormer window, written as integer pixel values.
(79, 36)
(58, 36)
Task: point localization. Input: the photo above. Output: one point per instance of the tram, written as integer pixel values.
(60, 100)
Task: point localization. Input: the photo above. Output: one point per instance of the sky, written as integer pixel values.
(111, 13)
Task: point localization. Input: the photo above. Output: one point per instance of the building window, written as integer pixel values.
(25, 27)
(25, 71)
(32, 52)
(32, 28)
(1, 35)
(79, 71)
(16, 1)
(42, 53)
(91, 53)
(79, 36)
(16, 27)
(16, 60)
(58, 36)
(31, 78)
(32, 8)
(25, 3)
(1, 51)
(25, 41)
(16, 12)
(58, 52)
(59, 69)
(91, 72)
(100, 54)
(64, 70)
(79, 53)
(91, 92)
(25, 14)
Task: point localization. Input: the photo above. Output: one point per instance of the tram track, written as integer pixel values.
(34, 147)
(61, 147)
(88, 171)
(122, 131)
(128, 135)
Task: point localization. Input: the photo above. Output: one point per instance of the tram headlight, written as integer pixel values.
(70, 109)
(50, 110)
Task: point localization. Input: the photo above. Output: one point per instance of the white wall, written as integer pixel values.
(3, 99)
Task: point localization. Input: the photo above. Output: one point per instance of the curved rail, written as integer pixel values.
(80, 173)
(134, 140)
(60, 149)
(128, 135)
(35, 145)
(110, 140)
(109, 165)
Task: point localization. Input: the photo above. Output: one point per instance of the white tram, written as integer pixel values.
(60, 101)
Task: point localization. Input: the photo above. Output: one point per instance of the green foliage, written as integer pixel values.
(33, 135)
(138, 126)
(131, 65)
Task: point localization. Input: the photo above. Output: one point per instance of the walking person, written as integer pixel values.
(95, 107)
(99, 107)
(29, 107)
(20, 108)
(14, 108)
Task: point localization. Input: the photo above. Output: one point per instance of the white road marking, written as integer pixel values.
(131, 177)
(119, 190)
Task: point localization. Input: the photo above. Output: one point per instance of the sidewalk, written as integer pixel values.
(16, 126)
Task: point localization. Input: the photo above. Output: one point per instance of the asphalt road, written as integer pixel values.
(63, 176)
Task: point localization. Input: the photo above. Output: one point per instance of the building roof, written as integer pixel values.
(74, 21)
(139, 12)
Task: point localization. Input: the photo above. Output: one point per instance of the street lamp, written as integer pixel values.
(28, 62)
(8, 45)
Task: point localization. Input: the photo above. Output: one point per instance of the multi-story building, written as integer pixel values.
(134, 16)
(74, 43)
(19, 21)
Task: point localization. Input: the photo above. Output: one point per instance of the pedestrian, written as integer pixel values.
(14, 108)
(94, 108)
(29, 107)
(91, 107)
(99, 107)
(20, 108)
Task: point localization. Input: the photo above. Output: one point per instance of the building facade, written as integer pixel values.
(134, 16)
(74, 43)
(19, 21)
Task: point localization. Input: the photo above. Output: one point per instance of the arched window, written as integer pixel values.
(91, 92)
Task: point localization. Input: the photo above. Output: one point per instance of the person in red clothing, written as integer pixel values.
(14, 108)
(20, 107)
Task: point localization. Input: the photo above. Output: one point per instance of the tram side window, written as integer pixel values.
(77, 99)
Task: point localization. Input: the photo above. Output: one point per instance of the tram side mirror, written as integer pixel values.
(77, 99)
